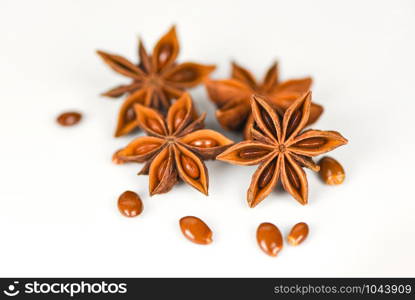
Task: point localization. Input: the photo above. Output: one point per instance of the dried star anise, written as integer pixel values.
(156, 79)
(281, 148)
(175, 148)
(232, 96)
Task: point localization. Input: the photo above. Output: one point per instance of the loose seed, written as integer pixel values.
(331, 171)
(298, 234)
(190, 167)
(69, 118)
(130, 204)
(204, 143)
(269, 238)
(195, 230)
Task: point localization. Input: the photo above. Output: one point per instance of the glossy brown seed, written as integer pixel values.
(311, 143)
(195, 230)
(204, 143)
(130, 204)
(145, 148)
(331, 171)
(190, 167)
(294, 121)
(155, 125)
(178, 118)
(267, 120)
(252, 153)
(162, 169)
(266, 176)
(269, 238)
(292, 177)
(69, 118)
(298, 234)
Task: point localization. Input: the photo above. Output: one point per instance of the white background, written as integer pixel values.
(58, 187)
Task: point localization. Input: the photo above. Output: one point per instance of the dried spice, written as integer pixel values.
(116, 159)
(155, 80)
(269, 238)
(195, 230)
(69, 118)
(130, 204)
(298, 234)
(175, 148)
(331, 171)
(281, 148)
(232, 96)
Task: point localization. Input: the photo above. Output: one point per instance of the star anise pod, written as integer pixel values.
(175, 148)
(232, 96)
(281, 148)
(155, 80)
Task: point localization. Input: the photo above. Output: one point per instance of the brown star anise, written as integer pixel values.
(156, 79)
(281, 149)
(175, 148)
(232, 96)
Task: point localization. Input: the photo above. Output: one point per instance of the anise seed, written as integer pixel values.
(204, 143)
(145, 148)
(190, 167)
(298, 234)
(130, 204)
(311, 143)
(155, 125)
(178, 118)
(266, 176)
(267, 120)
(252, 153)
(331, 171)
(294, 121)
(292, 177)
(161, 169)
(269, 238)
(195, 230)
(69, 118)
